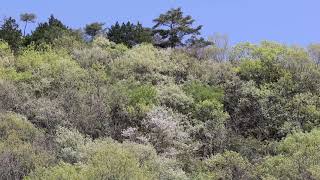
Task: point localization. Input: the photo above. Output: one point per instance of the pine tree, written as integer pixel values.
(93, 29)
(27, 17)
(172, 27)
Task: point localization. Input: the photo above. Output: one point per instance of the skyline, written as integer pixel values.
(291, 22)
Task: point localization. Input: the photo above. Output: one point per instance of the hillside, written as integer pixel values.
(73, 108)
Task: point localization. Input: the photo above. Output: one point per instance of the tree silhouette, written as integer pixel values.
(27, 17)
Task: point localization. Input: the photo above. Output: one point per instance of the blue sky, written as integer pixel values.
(285, 21)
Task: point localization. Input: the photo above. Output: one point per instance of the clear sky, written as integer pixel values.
(285, 21)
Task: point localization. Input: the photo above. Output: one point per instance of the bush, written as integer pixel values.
(296, 158)
(201, 92)
(6, 56)
(62, 171)
(174, 97)
(21, 147)
(70, 145)
(164, 130)
(209, 127)
(228, 165)
(18, 126)
(143, 62)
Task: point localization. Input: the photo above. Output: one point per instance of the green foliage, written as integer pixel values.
(254, 112)
(69, 42)
(297, 158)
(304, 111)
(62, 171)
(210, 127)
(6, 56)
(143, 62)
(172, 27)
(120, 161)
(93, 29)
(48, 32)
(102, 53)
(260, 71)
(71, 145)
(48, 65)
(10, 32)
(5, 49)
(14, 125)
(20, 147)
(117, 163)
(141, 98)
(201, 92)
(144, 95)
(209, 109)
(174, 97)
(104, 110)
(129, 34)
(228, 165)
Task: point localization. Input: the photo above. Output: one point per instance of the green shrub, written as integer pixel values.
(201, 92)
(228, 165)
(70, 145)
(209, 110)
(21, 147)
(62, 171)
(297, 158)
(174, 97)
(107, 159)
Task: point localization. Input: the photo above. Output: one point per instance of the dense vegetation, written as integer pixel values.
(157, 103)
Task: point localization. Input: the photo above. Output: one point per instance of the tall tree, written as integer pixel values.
(129, 34)
(27, 17)
(10, 32)
(93, 29)
(172, 27)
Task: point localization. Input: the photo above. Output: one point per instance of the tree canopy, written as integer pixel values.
(129, 34)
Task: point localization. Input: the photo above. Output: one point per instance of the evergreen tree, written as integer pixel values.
(93, 29)
(10, 32)
(172, 27)
(129, 34)
(49, 31)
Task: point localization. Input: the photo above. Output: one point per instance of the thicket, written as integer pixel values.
(78, 108)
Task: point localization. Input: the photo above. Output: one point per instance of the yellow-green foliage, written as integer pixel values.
(17, 126)
(18, 153)
(47, 64)
(228, 165)
(6, 56)
(142, 62)
(173, 96)
(297, 158)
(107, 159)
(201, 92)
(249, 112)
(62, 171)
